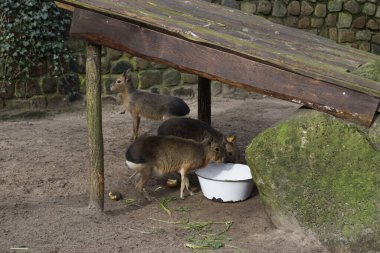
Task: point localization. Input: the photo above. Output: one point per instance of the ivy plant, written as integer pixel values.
(32, 32)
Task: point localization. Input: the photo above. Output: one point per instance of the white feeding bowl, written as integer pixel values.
(226, 182)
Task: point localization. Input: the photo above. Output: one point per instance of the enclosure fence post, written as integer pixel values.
(204, 99)
(94, 127)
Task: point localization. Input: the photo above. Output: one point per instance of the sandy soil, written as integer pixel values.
(43, 189)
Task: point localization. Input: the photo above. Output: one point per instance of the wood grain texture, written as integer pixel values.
(94, 126)
(226, 67)
(248, 36)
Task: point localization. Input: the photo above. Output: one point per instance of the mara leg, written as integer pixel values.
(187, 185)
(136, 124)
(132, 177)
(184, 182)
(123, 109)
(145, 174)
(136, 170)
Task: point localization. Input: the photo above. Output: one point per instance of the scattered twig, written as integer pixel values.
(168, 222)
(132, 202)
(234, 247)
(164, 204)
(158, 188)
(194, 247)
(202, 224)
(142, 232)
(19, 248)
(199, 241)
(205, 244)
(201, 236)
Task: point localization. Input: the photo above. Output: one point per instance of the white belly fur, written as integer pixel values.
(138, 166)
(134, 166)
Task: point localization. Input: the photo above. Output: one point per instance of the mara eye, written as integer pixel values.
(229, 153)
(118, 81)
(217, 149)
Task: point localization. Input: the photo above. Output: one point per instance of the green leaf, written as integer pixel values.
(32, 31)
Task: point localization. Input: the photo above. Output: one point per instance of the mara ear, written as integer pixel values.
(127, 73)
(231, 138)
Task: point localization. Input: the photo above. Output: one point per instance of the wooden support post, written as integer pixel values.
(204, 99)
(94, 126)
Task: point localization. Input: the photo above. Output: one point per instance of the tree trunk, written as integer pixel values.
(204, 99)
(94, 126)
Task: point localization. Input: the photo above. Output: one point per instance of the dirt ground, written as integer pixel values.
(43, 190)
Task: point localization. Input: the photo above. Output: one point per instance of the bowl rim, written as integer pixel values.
(220, 180)
(197, 172)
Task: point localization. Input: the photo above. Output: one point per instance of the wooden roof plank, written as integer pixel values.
(156, 12)
(288, 53)
(211, 63)
(259, 26)
(299, 48)
(243, 20)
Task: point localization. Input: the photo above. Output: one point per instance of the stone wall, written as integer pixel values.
(352, 22)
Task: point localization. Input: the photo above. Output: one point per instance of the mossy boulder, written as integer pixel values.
(318, 174)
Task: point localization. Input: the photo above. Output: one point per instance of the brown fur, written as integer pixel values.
(195, 129)
(146, 104)
(165, 154)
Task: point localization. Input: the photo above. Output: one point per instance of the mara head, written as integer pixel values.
(120, 84)
(231, 151)
(216, 150)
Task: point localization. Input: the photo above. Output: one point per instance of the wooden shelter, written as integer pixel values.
(224, 44)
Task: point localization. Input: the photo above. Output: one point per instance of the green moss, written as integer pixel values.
(371, 70)
(374, 133)
(322, 172)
